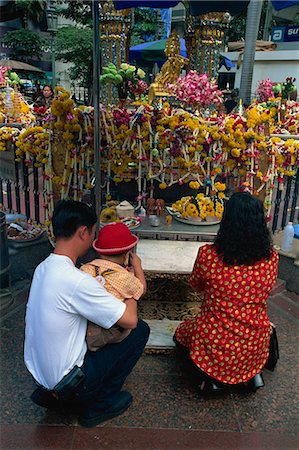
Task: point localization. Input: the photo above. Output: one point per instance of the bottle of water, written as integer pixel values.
(287, 238)
(142, 213)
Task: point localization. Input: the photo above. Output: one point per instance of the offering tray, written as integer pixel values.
(190, 220)
(131, 222)
(21, 232)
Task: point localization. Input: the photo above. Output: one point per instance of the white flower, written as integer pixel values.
(124, 66)
(141, 73)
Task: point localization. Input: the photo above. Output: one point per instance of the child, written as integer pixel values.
(111, 269)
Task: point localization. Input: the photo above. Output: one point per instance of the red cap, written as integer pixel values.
(114, 238)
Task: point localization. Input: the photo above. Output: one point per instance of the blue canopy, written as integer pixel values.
(154, 51)
(197, 7)
(279, 5)
(124, 4)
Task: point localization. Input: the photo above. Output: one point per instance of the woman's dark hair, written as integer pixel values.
(69, 215)
(243, 236)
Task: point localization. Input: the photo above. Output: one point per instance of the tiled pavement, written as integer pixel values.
(167, 412)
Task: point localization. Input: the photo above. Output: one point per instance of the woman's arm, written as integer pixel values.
(196, 279)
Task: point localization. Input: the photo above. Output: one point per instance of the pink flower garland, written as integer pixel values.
(195, 89)
(138, 89)
(264, 90)
(3, 74)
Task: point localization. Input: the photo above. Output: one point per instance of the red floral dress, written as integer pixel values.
(229, 338)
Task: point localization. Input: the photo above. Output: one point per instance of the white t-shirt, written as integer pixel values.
(61, 300)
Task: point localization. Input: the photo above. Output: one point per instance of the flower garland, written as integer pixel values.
(175, 146)
(31, 144)
(7, 134)
(264, 90)
(64, 146)
(197, 90)
(166, 146)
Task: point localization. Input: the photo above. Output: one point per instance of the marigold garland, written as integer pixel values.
(168, 146)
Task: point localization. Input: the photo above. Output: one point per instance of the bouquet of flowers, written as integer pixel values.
(127, 79)
(197, 90)
(199, 208)
(264, 90)
(285, 89)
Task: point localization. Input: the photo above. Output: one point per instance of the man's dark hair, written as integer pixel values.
(69, 215)
(243, 236)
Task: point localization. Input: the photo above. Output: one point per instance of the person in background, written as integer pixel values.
(62, 300)
(227, 343)
(46, 98)
(38, 92)
(230, 102)
(120, 271)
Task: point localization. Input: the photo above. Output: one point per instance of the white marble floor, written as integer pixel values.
(168, 256)
(161, 334)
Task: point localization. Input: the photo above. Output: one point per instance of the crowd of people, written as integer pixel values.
(83, 336)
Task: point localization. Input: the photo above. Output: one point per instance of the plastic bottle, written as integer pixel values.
(142, 213)
(287, 238)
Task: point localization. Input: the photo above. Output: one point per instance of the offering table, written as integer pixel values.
(176, 231)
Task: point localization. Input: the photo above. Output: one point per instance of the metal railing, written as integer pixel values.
(25, 194)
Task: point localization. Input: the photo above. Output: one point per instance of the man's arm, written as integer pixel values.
(129, 318)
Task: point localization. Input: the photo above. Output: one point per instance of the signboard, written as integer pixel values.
(7, 164)
(285, 34)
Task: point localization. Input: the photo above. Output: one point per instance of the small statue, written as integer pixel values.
(160, 203)
(150, 206)
(171, 69)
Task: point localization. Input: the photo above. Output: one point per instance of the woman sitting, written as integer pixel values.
(229, 338)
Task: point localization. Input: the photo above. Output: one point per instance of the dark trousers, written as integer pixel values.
(107, 369)
(195, 372)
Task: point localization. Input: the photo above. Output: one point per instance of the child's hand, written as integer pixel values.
(135, 261)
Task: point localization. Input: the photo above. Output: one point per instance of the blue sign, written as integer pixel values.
(285, 34)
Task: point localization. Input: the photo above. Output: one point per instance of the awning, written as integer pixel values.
(20, 66)
(154, 51)
(226, 62)
(285, 10)
(278, 5)
(124, 4)
(197, 7)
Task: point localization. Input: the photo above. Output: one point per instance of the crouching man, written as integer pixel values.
(61, 301)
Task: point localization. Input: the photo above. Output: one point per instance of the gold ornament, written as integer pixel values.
(171, 69)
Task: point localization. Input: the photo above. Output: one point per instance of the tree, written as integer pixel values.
(24, 44)
(23, 9)
(77, 10)
(145, 24)
(74, 45)
(237, 27)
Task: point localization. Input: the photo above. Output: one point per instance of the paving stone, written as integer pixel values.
(286, 304)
